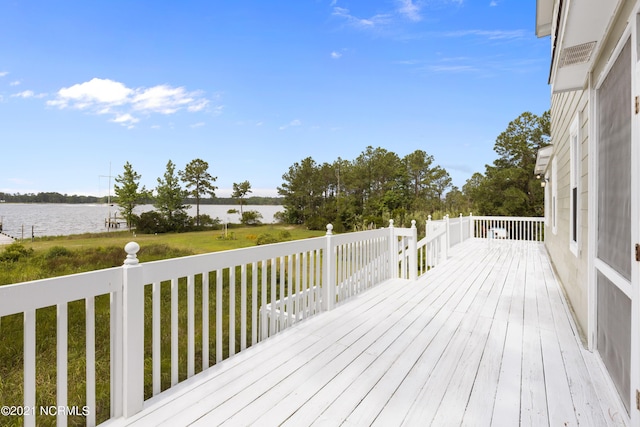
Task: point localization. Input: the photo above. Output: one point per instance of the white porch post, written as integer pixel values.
(461, 229)
(393, 251)
(329, 283)
(471, 225)
(413, 252)
(446, 242)
(133, 333)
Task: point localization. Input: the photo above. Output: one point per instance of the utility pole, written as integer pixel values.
(108, 221)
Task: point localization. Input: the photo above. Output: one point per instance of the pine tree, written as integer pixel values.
(196, 175)
(129, 193)
(170, 198)
(240, 191)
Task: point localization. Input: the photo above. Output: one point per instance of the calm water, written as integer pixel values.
(52, 219)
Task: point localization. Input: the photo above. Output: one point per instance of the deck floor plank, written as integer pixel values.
(485, 338)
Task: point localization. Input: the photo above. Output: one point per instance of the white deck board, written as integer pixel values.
(483, 339)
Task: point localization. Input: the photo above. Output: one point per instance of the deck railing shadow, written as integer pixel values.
(169, 320)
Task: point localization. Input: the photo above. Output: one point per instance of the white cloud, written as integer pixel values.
(24, 94)
(15, 83)
(105, 96)
(125, 119)
(292, 123)
(3, 73)
(28, 94)
(489, 34)
(493, 3)
(165, 99)
(452, 68)
(335, 55)
(409, 10)
(197, 125)
(372, 22)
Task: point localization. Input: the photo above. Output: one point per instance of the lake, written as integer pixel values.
(53, 219)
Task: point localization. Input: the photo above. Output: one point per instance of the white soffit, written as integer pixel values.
(542, 160)
(582, 29)
(544, 16)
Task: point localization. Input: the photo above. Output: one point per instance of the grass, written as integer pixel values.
(49, 257)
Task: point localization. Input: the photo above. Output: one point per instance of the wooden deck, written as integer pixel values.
(483, 339)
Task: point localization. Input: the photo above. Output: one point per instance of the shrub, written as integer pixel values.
(57, 252)
(15, 252)
(151, 222)
(284, 235)
(279, 217)
(207, 221)
(265, 239)
(251, 218)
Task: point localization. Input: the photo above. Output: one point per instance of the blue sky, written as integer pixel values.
(253, 86)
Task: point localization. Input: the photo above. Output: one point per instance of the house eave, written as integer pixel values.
(542, 160)
(581, 27)
(544, 17)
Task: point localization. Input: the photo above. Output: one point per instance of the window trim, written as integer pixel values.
(574, 186)
(554, 195)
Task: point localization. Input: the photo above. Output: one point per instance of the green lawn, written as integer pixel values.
(198, 241)
(49, 257)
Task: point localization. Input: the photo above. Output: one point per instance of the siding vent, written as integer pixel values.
(576, 54)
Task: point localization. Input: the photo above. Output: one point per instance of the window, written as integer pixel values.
(554, 195)
(574, 186)
(547, 200)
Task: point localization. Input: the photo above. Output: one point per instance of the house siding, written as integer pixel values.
(572, 270)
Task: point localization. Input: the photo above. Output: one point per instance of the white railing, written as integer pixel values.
(173, 318)
(433, 248)
(508, 228)
(441, 235)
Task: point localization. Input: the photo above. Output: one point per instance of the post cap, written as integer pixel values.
(131, 249)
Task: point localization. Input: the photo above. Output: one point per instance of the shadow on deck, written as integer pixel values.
(485, 338)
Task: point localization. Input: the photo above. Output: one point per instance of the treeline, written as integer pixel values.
(53, 197)
(50, 198)
(380, 185)
(364, 192)
(254, 200)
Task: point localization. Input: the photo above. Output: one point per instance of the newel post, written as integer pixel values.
(133, 333)
(413, 252)
(393, 251)
(471, 225)
(461, 229)
(446, 235)
(427, 227)
(329, 285)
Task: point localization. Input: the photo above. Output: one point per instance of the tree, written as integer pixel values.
(251, 218)
(129, 193)
(509, 187)
(440, 182)
(419, 176)
(170, 198)
(197, 177)
(302, 193)
(240, 191)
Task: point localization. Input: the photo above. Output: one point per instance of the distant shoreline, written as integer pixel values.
(77, 199)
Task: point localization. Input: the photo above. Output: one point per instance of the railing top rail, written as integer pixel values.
(20, 297)
(510, 218)
(359, 235)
